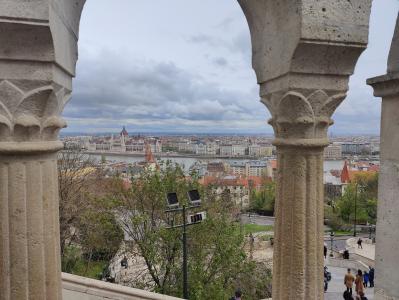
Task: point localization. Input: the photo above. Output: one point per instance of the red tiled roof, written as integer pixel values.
(273, 164)
(345, 177)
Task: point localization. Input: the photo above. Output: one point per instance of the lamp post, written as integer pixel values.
(355, 221)
(173, 207)
(332, 243)
(185, 272)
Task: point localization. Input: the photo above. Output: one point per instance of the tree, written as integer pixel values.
(100, 235)
(88, 228)
(218, 263)
(363, 190)
(76, 172)
(264, 199)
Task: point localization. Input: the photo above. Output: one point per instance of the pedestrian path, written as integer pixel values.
(336, 286)
(367, 250)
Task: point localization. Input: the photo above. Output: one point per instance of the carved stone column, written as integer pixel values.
(303, 54)
(37, 62)
(387, 237)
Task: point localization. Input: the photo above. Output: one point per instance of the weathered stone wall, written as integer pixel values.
(303, 54)
(387, 234)
(38, 52)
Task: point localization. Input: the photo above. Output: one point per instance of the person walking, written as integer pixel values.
(348, 281)
(366, 278)
(371, 276)
(359, 243)
(325, 251)
(359, 282)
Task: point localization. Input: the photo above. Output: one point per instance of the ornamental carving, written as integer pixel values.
(30, 110)
(296, 116)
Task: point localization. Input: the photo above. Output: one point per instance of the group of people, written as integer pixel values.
(361, 281)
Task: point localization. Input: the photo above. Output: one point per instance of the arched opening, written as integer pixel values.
(184, 68)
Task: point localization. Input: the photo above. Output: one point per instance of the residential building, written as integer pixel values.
(239, 150)
(333, 151)
(226, 150)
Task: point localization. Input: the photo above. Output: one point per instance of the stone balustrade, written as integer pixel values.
(81, 288)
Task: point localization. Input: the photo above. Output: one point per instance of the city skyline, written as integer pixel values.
(197, 78)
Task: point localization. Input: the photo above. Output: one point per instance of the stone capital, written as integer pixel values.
(385, 85)
(302, 117)
(38, 54)
(303, 54)
(30, 110)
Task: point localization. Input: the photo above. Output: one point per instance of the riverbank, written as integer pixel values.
(172, 155)
(181, 155)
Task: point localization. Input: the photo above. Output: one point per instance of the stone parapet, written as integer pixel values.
(80, 288)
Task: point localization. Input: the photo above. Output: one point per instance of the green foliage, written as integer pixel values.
(72, 256)
(73, 262)
(100, 234)
(217, 261)
(333, 219)
(363, 191)
(264, 199)
(253, 228)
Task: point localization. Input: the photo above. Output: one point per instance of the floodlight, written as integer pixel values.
(194, 197)
(196, 218)
(172, 200)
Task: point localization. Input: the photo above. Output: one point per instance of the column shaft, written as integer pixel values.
(29, 246)
(387, 237)
(298, 252)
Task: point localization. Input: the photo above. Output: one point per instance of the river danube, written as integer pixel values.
(187, 162)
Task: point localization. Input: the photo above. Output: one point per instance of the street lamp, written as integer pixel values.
(355, 221)
(332, 243)
(173, 207)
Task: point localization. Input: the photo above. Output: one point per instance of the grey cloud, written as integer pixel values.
(238, 44)
(148, 91)
(220, 61)
(208, 40)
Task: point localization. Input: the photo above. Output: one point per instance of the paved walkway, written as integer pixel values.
(368, 248)
(336, 286)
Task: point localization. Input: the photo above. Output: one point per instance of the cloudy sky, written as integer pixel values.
(185, 66)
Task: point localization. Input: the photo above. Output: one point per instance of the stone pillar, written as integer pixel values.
(299, 228)
(303, 54)
(387, 237)
(38, 41)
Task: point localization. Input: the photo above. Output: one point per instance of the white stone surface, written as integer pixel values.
(80, 288)
(387, 235)
(38, 52)
(303, 54)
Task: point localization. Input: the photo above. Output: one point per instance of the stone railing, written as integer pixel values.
(347, 263)
(81, 288)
